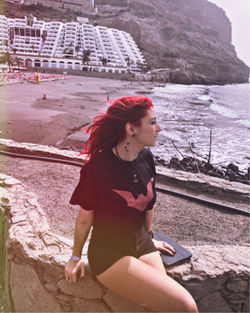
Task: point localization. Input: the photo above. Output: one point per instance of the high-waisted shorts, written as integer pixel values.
(102, 256)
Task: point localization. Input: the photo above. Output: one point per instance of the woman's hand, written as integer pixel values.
(164, 247)
(71, 270)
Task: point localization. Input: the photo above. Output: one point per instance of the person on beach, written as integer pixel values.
(116, 194)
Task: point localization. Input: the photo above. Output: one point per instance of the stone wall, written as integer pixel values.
(217, 276)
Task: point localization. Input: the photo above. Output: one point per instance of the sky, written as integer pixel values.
(238, 11)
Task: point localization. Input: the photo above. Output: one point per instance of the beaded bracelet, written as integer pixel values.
(75, 258)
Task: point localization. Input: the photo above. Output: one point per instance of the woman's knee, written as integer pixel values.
(189, 304)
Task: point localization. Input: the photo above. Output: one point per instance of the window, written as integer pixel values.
(27, 32)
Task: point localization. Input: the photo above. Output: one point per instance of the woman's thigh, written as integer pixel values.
(142, 283)
(153, 259)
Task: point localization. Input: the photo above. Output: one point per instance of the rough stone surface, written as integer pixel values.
(204, 183)
(214, 276)
(31, 297)
(84, 305)
(85, 288)
(214, 302)
(119, 304)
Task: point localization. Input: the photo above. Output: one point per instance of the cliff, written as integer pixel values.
(192, 39)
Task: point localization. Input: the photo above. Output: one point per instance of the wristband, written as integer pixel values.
(75, 258)
(151, 234)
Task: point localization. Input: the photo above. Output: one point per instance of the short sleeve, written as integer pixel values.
(152, 202)
(85, 193)
(150, 160)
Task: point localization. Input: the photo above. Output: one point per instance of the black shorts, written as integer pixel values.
(102, 256)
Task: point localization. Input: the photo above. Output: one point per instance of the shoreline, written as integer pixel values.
(30, 118)
(59, 119)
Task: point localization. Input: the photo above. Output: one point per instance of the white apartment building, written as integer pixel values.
(75, 5)
(63, 45)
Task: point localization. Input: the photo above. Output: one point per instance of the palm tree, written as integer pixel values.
(129, 62)
(104, 61)
(77, 49)
(32, 47)
(18, 62)
(8, 56)
(86, 55)
(14, 50)
(65, 51)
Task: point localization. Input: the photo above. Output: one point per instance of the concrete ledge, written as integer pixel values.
(195, 183)
(217, 276)
(201, 183)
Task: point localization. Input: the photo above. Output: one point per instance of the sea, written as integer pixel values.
(195, 117)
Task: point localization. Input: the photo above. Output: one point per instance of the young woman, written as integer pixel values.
(116, 193)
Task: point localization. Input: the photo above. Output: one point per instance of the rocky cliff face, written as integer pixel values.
(190, 38)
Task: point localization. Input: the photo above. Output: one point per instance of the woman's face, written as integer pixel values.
(146, 134)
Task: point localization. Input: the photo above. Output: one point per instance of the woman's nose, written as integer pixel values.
(158, 128)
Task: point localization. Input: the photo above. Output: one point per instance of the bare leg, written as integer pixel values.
(153, 259)
(144, 284)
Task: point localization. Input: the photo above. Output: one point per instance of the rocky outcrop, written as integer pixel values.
(191, 39)
(217, 276)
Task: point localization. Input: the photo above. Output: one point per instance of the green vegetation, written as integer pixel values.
(5, 298)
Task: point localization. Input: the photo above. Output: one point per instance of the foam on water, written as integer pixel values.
(183, 121)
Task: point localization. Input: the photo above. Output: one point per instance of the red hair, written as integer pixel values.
(108, 128)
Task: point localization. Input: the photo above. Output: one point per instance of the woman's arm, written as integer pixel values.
(149, 219)
(160, 245)
(83, 224)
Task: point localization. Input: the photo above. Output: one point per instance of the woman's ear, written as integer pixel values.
(130, 129)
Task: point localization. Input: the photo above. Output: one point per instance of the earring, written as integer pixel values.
(133, 135)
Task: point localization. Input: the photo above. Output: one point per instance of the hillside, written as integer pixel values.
(191, 39)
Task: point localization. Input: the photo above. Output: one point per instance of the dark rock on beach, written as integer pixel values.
(230, 172)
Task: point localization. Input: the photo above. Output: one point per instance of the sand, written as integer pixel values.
(187, 222)
(70, 104)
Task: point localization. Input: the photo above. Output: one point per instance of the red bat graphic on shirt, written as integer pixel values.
(142, 201)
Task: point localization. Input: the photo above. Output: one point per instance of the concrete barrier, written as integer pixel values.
(33, 260)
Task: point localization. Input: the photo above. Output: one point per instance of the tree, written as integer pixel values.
(8, 56)
(144, 67)
(77, 49)
(129, 62)
(14, 50)
(32, 47)
(18, 62)
(86, 56)
(65, 51)
(104, 61)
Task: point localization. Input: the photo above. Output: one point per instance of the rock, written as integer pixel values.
(84, 288)
(238, 285)
(213, 302)
(18, 219)
(84, 305)
(119, 304)
(233, 167)
(10, 181)
(246, 305)
(28, 294)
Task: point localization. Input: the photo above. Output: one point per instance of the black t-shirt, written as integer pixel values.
(106, 186)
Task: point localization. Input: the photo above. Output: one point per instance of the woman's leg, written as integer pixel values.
(153, 259)
(142, 283)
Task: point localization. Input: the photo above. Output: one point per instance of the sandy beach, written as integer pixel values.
(58, 120)
(70, 104)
